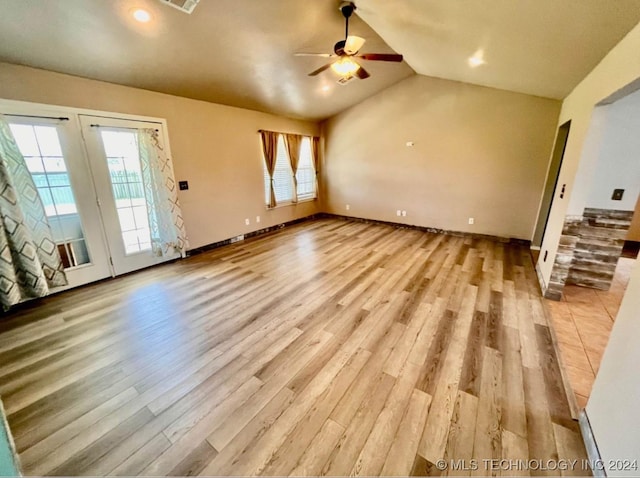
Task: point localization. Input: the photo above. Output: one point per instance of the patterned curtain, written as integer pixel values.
(29, 260)
(270, 151)
(168, 234)
(292, 143)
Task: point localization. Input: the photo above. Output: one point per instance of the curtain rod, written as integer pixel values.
(119, 127)
(284, 132)
(61, 118)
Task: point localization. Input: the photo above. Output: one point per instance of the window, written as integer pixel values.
(40, 146)
(283, 177)
(306, 174)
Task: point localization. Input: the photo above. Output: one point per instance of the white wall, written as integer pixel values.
(613, 405)
(618, 164)
(588, 162)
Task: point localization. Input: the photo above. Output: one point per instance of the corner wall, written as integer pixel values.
(216, 148)
(615, 72)
(612, 406)
(478, 152)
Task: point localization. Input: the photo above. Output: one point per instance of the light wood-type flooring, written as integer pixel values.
(331, 347)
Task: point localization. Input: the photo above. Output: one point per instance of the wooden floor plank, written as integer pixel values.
(462, 434)
(332, 346)
(404, 446)
(487, 443)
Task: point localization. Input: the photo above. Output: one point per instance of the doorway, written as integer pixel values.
(601, 259)
(88, 173)
(112, 147)
(551, 183)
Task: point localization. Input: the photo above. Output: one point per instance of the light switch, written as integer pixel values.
(617, 194)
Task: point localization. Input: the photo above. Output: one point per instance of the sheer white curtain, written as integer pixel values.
(168, 234)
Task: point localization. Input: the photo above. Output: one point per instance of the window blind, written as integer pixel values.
(306, 174)
(282, 177)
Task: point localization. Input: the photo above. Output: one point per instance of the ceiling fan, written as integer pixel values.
(347, 50)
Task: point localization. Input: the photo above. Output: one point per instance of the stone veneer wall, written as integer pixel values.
(564, 257)
(590, 247)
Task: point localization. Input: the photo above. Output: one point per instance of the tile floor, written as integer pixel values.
(583, 321)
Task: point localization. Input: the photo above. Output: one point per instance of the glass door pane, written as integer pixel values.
(42, 151)
(123, 161)
(55, 156)
(112, 146)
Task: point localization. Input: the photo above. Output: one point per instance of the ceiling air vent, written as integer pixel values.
(187, 6)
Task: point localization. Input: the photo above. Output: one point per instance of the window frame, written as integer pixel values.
(285, 154)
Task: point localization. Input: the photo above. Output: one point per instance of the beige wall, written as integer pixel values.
(479, 152)
(216, 148)
(634, 229)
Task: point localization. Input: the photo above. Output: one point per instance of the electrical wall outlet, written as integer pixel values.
(404, 213)
(348, 207)
(247, 222)
(257, 218)
(472, 220)
(398, 213)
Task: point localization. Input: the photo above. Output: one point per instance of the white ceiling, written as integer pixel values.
(240, 52)
(539, 47)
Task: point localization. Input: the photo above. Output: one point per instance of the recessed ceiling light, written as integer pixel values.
(477, 59)
(141, 15)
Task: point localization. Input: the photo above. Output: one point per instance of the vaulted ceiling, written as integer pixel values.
(539, 47)
(240, 52)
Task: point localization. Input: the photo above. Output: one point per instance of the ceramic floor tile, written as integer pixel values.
(583, 322)
(558, 308)
(582, 400)
(575, 355)
(594, 354)
(575, 294)
(583, 309)
(566, 331)
(581, 380)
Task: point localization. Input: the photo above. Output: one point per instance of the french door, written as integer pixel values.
(56, 161)
(88, 173)
(112, 147)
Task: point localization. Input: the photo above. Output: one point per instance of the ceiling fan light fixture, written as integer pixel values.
(353, 44)
(345, 67)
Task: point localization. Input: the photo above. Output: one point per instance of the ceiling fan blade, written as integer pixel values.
(320, 70)
(353, 44)
(381, 57)
(362, 73)
(323, 55)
